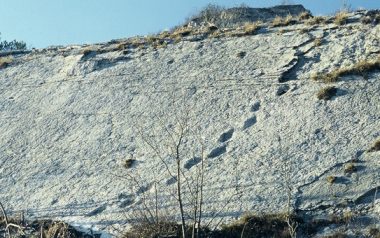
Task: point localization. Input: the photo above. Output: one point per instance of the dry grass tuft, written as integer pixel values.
(129, 163)
(318, 42)
(316, 21)
(304, 16)
(331, 179)
(327, 93)
(279, 21)
(5, 62)
(349, 168)
(182, 31)
(341, 18)
(58, 230)
(250, 28)
(361, 68)
(375, 147)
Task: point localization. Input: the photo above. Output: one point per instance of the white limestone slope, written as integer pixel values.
(69, 122)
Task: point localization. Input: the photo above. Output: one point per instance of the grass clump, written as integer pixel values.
(304, 16)
(349, 168)
(331, 179)
(361, 68)
(279, 21)
(318, 42)
(182, 32)
(341, 18)
(129, 163)
(375, 147)
(316, 21)
(327, 93)
(250, 28)
(5, 62)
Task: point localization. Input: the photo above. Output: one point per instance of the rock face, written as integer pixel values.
(71, 117)
(238, 15)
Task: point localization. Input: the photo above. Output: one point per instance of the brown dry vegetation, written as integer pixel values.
(327, 93)
(316, 21)
(250, 28)
(304, 16)
(375, 147)
(279, 21)
(361, 68)
(341, 18)
(5, 62)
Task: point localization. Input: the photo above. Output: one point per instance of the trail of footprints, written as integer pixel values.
(127, 200)
(224, 138)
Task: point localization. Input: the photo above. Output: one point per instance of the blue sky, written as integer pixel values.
(41, 23)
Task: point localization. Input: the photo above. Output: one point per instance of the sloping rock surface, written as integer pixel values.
(70, 119)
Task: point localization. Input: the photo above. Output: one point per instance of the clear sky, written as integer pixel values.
(41, 23)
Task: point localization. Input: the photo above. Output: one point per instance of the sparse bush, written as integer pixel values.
(5, 62)
(331, 179)
(327, 93)
(211, 13)
(12, 45)
(341, 18)
(255, 226)
(316, 20)
(375, 147)
(58, 230)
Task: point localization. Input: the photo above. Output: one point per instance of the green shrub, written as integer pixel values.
(12, 45)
